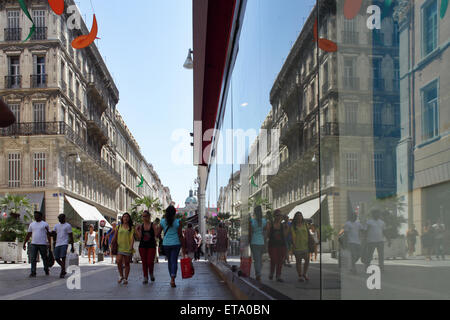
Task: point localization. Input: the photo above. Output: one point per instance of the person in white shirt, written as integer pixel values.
(198, 242)
(375, 238)
(62, 236)
(352, 230)
(208, 242)
(40, 242)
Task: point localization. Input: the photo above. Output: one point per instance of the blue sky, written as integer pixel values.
(268, 33)
(145, 45)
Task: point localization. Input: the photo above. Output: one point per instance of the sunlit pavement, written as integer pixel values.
(414, 278)
(99, 282)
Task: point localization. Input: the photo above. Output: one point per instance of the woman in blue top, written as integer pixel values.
(172, 241)
(257, 234)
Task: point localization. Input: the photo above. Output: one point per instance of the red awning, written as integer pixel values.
(213, 22)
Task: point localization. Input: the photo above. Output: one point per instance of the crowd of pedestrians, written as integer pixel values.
(282, 237)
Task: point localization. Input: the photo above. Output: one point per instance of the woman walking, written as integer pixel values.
(147, 233)
(315, 235)
(257, 235)
(172, 241)
(222, 243)
(125, 241)
(411, 237)
(277, 244)
(198, 244)
(189, 242)
(90, 242)
(427, 240)
(300, 238)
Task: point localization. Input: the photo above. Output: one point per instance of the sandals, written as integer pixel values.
(125, 281)
(173, 285)
(145, 281)
(305, 277)
(120, 280)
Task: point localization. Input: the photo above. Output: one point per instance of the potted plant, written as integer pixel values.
(12, 228)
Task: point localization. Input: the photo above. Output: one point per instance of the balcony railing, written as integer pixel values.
(330, 129)
(13, 34)
(361, 129)
(71, 95)
(58, 128)
(79, 104)
(351, 83)
(40, 33)
(13, 82)
(38, 81)
(350, 37)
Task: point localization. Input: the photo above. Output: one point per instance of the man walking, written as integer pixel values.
(62, 233)
(41, 239)
(375, 238)
(208, 242)
(439, 235)
(352, 229)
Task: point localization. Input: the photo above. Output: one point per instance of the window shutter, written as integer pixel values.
(34, 64)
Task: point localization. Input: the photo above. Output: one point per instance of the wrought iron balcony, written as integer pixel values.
(58, 128)
(13, 34)
(330, 129)
(39, 81)
(40, 33)
(13, 82)
(350, 37)
(351, 83)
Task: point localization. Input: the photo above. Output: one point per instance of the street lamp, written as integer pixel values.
(189, 63)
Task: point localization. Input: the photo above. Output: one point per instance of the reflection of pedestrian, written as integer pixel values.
(257, 231)
(427, 240)
(315, 236)
(352, 229)
(198, 242)
(110, 235)
(222, 243)
(277, 244)
(208, 242)
(375, 238)
(411, 238)
(214, 241)
(439, 235)
(158, 241)
(189, 238)
(300, 238)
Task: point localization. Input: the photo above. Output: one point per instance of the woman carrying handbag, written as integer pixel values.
(172, 241)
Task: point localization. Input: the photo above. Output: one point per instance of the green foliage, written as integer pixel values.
(390, 206)
(327, 233)
(148, 203)
(12, 229)
(76, 234)
(221, 217)
(14, 204)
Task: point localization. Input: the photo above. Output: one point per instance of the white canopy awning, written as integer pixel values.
(86, 211)
(308, 208)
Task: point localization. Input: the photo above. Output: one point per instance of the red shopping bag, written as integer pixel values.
(246, 265)
(187, 268)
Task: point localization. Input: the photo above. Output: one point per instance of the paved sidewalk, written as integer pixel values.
(99, 282)
(414, 278)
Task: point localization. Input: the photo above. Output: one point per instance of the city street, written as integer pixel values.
(99, 281)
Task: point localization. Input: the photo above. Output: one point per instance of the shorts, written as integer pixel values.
(60, 251)
(90, 245)
(127, 254)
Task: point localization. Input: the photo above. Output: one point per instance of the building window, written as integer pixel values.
(378, 162)
(14, 78)
(39, 20)
(430, 27)
(15, 109)
(38, 79)
(13, 32)
(14, 170)
(430, 123)
(39, 169)
(351, 113)
(377, 114)
(352, 168)
(39, 117)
